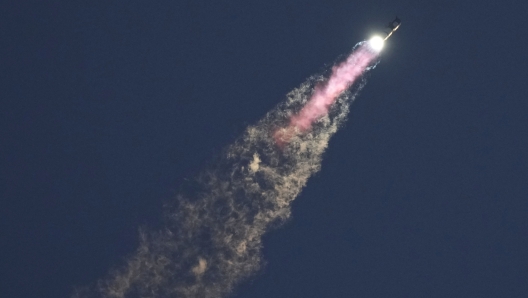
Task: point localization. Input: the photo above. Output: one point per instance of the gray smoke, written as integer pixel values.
(212, 236)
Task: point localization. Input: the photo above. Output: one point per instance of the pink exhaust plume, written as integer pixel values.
(325, 94)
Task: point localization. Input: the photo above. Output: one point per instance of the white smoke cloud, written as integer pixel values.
(212, 238)
(254, 165)
(199, 269)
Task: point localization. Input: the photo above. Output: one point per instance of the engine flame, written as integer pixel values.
(377, 43)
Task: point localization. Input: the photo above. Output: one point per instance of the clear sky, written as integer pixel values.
(107, 107)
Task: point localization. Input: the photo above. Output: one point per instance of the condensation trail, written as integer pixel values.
(212, 235)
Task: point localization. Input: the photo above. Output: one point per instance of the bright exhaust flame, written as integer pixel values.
(377, 43)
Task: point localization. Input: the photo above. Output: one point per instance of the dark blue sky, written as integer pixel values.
(108, 106)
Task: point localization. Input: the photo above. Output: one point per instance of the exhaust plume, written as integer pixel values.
(325, 94)
(212, 236)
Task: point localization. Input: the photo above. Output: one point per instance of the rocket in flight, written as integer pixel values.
(377, 42)
(393, 26)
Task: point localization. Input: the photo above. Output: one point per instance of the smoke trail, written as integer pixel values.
(343, 75)
(212, 238)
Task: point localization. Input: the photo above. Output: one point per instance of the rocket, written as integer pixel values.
(393, 26)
